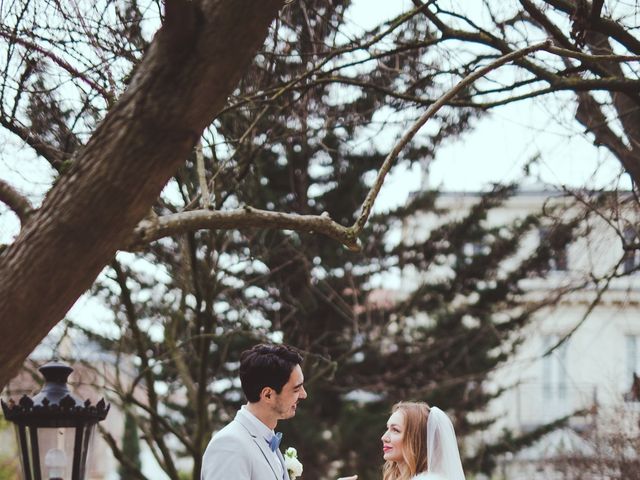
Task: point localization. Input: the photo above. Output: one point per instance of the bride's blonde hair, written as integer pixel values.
(414, 442)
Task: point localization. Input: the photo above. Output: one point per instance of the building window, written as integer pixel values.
(631, 258)
(554, 369)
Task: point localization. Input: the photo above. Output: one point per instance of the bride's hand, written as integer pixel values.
(355, 477)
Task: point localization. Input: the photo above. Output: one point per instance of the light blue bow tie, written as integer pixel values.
(274, 443)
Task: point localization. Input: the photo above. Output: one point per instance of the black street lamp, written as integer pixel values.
(54, 427)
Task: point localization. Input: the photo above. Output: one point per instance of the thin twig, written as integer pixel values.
(587, 314)
(431, 111)
(60, 62)
(565, 52)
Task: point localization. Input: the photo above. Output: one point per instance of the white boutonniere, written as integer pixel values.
(292, 464)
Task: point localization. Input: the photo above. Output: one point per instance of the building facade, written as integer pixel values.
(581, 352)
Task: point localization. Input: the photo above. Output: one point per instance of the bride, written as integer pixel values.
(420, 444)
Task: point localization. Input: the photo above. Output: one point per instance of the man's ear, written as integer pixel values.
(267, 392)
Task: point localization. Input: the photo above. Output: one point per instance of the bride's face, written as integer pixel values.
(392, 438)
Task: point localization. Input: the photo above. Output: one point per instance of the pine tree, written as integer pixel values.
(130, 447)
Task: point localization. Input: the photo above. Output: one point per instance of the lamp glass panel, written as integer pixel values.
(56, 446)
(25, 452)
(87, 449)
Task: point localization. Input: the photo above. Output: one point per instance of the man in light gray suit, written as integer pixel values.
(248, 448)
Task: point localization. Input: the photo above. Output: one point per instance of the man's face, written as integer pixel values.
(287, 400)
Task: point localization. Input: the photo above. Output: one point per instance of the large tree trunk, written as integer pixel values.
(192, 66)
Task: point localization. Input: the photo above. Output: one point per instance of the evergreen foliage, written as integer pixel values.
(130, 446)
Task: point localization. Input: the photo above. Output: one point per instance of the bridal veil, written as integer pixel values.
(443, 458)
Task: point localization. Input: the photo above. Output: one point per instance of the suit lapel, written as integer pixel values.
(268, 455)
(262, 446)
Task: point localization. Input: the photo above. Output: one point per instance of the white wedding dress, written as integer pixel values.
(443, 458)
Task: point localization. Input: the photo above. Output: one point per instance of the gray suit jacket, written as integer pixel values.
(238, 453)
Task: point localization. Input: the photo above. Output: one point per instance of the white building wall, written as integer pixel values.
(591, 368)
(594, 366)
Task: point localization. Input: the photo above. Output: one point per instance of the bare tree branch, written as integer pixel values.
(16, 201)
(600, 291)
(60, 62)
(596, 9)
(132, 470)
(139, 338)
(248, 217)
(590, 115)
(605, 26)
(205, 200)
(243, 218)
(431, 111)
(565, 52)
(46, 151)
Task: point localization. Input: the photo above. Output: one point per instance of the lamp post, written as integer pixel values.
(54, 427)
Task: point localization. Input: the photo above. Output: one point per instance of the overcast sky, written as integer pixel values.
(504, 140)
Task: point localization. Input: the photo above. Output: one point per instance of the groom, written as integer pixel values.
(248, 448)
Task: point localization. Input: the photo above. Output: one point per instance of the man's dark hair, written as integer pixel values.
(266, 366)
